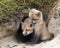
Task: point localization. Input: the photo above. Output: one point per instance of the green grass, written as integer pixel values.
(8, 7)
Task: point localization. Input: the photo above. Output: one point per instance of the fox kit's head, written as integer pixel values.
(35, 15)
(27, 27)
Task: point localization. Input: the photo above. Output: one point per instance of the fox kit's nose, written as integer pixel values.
(24, 33)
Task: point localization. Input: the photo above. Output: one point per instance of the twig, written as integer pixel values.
(10, 46)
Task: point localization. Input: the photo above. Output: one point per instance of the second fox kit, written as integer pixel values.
(41, 31)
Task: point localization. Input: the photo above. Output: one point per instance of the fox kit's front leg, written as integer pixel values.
(38, 28)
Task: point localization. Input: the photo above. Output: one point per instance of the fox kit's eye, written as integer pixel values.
(30, 25)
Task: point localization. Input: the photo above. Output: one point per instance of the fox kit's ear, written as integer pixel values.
(38, 14)
(41, 13)
(21, 22)
(29, 9)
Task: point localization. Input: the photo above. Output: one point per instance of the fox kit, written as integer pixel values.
(41, 32)
(25, 31)
(27, 27)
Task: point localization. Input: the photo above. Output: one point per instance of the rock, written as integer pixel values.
(54, 20)
(54, 26)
